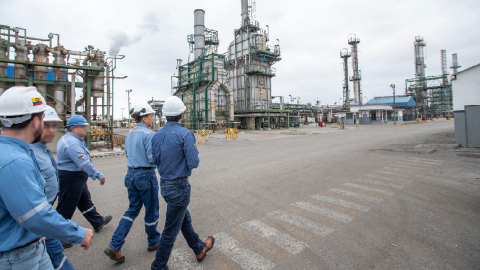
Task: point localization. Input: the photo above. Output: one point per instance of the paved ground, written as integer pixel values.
(331, 199)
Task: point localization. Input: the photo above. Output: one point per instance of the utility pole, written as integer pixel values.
(128, 92)
(394, 109)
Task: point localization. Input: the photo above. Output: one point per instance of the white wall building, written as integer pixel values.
(466, 106)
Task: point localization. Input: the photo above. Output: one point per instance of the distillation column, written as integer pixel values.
(454, 66)
(418, 46)
(346, 92)
(22, 48)
(41, 52)
(3, 65)
(199, 32)
(59, 54)
(353, 41)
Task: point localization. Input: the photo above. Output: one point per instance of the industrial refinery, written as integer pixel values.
(231, 89)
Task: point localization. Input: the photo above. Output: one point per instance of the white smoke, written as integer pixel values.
(121, 39)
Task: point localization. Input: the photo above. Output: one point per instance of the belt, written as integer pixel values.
(178, 179)
(142, 168)
(28, 244)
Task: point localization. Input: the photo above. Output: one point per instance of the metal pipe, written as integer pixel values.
(72, 96)
(108, 91)
(199, 32)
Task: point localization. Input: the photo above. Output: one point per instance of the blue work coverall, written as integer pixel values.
(175, 154)
(48, 168)
(142, 185)
(74, 168)
(25, 214)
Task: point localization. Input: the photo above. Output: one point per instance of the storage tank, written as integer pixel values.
(41, 53)
(22, 48)
(98, 82)
(3, 65)
(59, 54)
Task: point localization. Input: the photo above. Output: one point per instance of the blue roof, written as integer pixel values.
(399, 101)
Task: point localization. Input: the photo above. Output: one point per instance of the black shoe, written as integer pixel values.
(106, 220)
(67, 244)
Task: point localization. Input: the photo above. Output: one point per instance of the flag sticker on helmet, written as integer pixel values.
(80, 156)
(37, 101)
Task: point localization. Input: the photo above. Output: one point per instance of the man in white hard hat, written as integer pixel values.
(176, 154)
(141, 183)
(25, 214)
(48, 168)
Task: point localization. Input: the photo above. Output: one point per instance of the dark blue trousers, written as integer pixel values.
(74, 194)
(177, 196)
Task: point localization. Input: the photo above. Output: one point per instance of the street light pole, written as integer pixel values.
(122, 111)
(394, 108)
(128, 92)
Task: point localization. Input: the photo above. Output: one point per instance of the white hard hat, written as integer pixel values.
(173, 106)
(51, 115)
(143, 109)
(22, 102)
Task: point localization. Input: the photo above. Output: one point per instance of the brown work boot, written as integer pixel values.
(153, 248)
(208, 245)
(114, 255)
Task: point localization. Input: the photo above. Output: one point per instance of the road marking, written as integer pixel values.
(280, 239)
(244, 257)
(389, 173)
(380, 183)
(409, 172)
(429, 160)
(340, 202)
(389, 193)
(324, 211)
(413, 162)
(388, 179)
(356, 195)
(301, 222)
(181, 258)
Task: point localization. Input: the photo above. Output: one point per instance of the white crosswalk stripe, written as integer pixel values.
(380, 183)
(355, 195)
(405, 171)
(387, 172)
(340, 202)
(301, 222)
(387, 178)
(280, 239)
(323, 211)
(361, 187)
(413, 162)
(244, 257)
(183, 259)
(428, 160)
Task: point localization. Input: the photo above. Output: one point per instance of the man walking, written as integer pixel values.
(48, 168)
(175, 155)
(25, 214)
(141, 183)
(74, 168)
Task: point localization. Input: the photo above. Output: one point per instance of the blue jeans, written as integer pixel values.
(177, 196)
(55, 251)
(32, 257)
(142, 186)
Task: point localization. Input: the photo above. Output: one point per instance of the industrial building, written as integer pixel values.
(233, 89)
(466, 102)
(52, 68)
(433, 94)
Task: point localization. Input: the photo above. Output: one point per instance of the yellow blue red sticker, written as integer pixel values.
(37, 101)
(80, 156)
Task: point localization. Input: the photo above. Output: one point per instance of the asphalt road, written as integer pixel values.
(327, 200)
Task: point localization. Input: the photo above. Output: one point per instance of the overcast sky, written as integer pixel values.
(311, 34)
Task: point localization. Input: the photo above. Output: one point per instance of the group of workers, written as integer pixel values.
(33, 234)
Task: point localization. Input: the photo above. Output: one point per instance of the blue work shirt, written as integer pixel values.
(25, 214)
(138, 146)
(73, 156)
(48, 168)
(175, 151)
